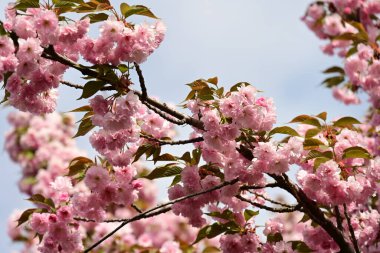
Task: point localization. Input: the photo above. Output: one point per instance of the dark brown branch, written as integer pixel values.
(256, 187)
(351, 229)
(271, 209)
(313, 211)
(51, 54)
(156, 210)
(136, 208)
(272, 201)
(309, 207)
(144, 93)
(165, 142)
(137, 217)
(80, 87)
(338, 218)
(164, 115)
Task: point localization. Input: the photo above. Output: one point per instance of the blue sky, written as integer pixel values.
(257, 41)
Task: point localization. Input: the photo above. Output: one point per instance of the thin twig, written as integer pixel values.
(136, 208)
(165, 142)
(272, 201)
(164, 115)
(135, 218)
(77, 86)
(158, 210)
(144, 93)
(51, 54)
(257, 187)
(268, 208)
(338, 218)
(351, 229)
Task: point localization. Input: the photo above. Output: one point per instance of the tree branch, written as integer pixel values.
(351, 229)
(155, 211)
(268, 208)
(51, 54)
(165, 142)
(144, 93)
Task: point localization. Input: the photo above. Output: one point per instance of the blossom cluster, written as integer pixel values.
(351, 29)
(121, 121)
(32, 78)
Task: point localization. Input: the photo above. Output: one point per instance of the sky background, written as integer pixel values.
(258, 41)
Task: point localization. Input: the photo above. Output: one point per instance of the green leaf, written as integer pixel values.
(300, 247)
(226, 215)
(26, 214)
(346, 122)
(98, 17)
(351, 51)
(41, 200)
(248, 214)
(334, 69)
(79, 165)
(176, 180)
(142, 150)
(318, 161)
(85, 108)
(283, 130)
(91, 87)
(311, 143)
(165, 157)
(315, 154)
(322, 116)
(210, 231)
(22, 5)
(238, 85)
(129, 10)
(306, 119)
(123, 68)
(356, 152)
(333, 81)
(196, 156)
(84, 127)
(211, 249)
(273, 238)
(2, 30)
(186, 157)
(312, 132)
(213, 80)
(167, 170)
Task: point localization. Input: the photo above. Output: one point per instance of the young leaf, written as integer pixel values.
(322, 116)
(98, 17)
(41, 200)
(129, 10)
(26, 214)
(85, 108)
(84, 127)
(165, 171)
(318, 161)
(213, 80)
(301, 247)
(315, 154)
(91, 87)
(333, 81)
(346, 122)
(334, 69)
(311, 143)
(312, 132)
(283, 130)
(356, 152)
(273, 238)
(248, 214)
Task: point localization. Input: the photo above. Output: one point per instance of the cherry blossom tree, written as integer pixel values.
(108, 203)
